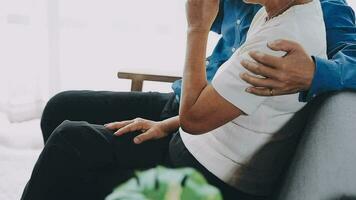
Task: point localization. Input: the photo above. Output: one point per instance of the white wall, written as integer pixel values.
(98, 38)
(352, 4)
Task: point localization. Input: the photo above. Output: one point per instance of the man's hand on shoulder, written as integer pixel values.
(289, 74)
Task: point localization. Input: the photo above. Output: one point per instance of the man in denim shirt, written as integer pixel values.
(296, 72)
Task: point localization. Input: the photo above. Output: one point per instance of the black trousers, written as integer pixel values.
(83, 160)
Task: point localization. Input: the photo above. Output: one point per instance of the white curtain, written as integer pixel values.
(100, 37)
(47, 46)
(24, 59)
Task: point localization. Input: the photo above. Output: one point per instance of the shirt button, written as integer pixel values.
(238, 22)
(233, 49)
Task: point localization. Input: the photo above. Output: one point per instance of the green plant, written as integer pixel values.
(166, 184)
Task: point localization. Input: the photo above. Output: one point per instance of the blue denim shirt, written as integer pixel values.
(339, 72)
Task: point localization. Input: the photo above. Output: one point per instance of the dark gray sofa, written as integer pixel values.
(323, 166)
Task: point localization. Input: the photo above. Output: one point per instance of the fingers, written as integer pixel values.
(149, 135)
(128, 126)
(136, 125)
(259, 69)
(259, 82)
(265, 59)
(283, 45)
(263, 91)
(118, 125)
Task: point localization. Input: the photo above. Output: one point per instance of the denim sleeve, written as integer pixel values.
(216, 27)
(339, 72)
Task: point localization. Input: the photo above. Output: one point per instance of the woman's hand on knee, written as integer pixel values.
(150, 129)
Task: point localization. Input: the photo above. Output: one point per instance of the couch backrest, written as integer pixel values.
(323, 166)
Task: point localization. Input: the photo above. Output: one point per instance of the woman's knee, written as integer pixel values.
(54, 112)
(57, 104)
(72, 132)
(88, 140)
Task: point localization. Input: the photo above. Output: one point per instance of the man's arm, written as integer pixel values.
(298, 72)
(335, 74)
(216, 26)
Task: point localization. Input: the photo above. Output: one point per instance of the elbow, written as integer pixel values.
(191, 125)
(191, 129)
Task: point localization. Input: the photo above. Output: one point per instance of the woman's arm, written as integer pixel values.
(202, 109)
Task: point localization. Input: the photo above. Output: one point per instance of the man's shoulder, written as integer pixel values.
(335, 10)
(335, 6)
(337, 2)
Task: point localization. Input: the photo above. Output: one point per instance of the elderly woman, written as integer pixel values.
(234, 138)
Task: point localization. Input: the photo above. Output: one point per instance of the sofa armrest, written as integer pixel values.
(137, 79)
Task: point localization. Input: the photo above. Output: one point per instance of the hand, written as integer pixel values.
(151, 129)
(201, 14)
(282, 75)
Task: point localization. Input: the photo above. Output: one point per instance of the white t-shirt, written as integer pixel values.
(248, 152)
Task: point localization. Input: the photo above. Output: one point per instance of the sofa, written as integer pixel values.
(323, 166)
(321, 162)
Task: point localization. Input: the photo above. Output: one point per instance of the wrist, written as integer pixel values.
(326, 78)
(197, 35)
(170, 125)
(198, 30)
(310, 74)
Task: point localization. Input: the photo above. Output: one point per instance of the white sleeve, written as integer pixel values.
(227, 81)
